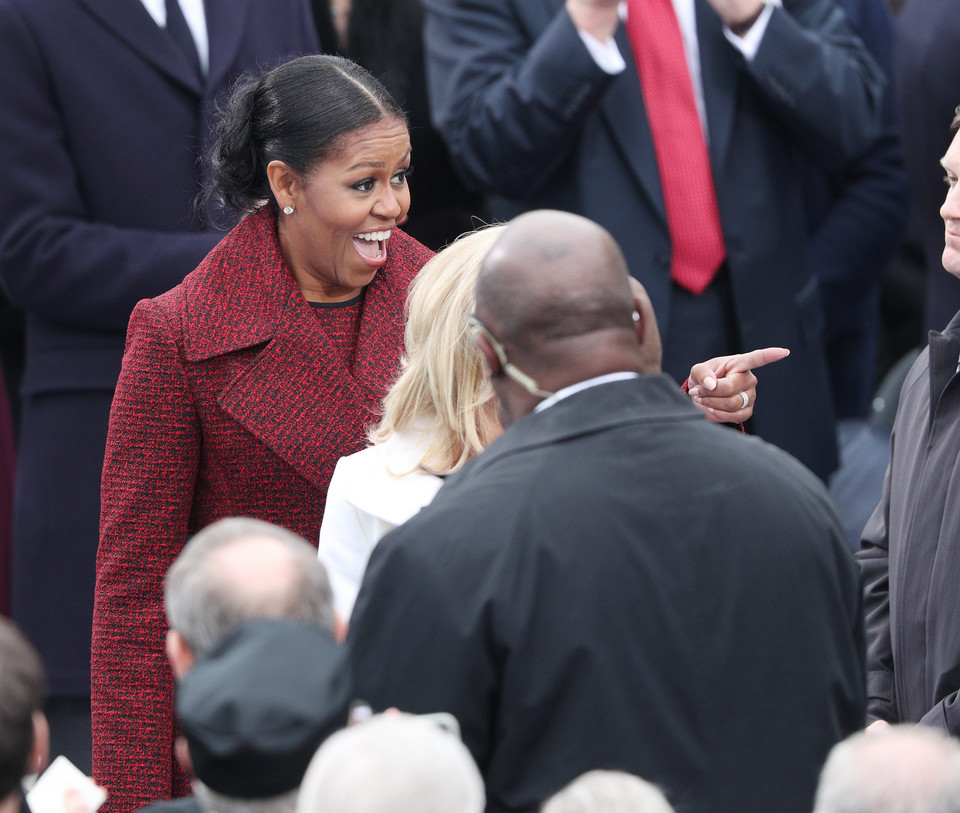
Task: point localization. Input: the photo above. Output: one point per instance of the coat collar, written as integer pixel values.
(239, 293)
(943, 360)
(650, 397)
(244, 294)
(721, 67)
(385, 482)
(294, 396)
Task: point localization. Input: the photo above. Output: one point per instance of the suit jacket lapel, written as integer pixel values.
(720, 69)
(132, 23)
(622, 109)
(226, 21)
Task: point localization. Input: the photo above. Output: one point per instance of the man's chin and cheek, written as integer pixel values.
(951, 258)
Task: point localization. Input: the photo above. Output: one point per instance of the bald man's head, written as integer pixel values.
(555, 291)
(554, 275)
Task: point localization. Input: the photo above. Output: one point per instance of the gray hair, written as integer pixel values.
(608, 792)
(394, 763)
(907, 769)
(204, 603)
(212, 802)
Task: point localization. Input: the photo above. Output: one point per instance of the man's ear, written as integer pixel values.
(491, 362)
(645, 323)
(284, 183)
(40, 748)
(179, 654)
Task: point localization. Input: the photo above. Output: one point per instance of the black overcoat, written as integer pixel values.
(618, 583)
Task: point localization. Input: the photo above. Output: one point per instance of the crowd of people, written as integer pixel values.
(280, 466)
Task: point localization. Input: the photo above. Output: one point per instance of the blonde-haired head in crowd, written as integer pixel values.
(442, 383)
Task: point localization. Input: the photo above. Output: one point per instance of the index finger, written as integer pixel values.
(744, 362)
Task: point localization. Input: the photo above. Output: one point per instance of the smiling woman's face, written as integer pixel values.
(344, 211)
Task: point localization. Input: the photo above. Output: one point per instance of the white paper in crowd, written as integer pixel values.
(49, 792)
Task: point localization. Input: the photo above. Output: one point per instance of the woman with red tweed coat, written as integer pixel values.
(242, 386)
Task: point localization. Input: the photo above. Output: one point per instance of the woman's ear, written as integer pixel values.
(284, 183)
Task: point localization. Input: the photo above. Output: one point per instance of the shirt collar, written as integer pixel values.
(559, 395)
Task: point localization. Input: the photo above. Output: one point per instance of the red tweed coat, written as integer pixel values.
(227, 405)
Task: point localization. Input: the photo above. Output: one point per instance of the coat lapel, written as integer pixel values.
(720, 70)
(291, 396)
(296, 402)
(622, 109)
(226, 21)
(132, 23)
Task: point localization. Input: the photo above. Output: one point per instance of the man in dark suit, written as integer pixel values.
(530, 114)
(615, 582)
(106, 111)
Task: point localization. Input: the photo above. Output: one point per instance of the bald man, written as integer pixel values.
(616, 582)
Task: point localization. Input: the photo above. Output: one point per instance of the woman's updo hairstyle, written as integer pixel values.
(298, 113)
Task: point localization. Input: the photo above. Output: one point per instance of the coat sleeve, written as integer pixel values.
(873, 558)
(818, 80)
(56, 259)
(153, 449)
(509, 107)
(945, 715)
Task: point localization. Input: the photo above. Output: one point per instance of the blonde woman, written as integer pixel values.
(441, 412)
(438, 415)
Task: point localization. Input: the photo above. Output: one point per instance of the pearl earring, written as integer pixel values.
(288, 209)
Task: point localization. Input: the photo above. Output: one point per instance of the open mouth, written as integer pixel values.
(372, 245)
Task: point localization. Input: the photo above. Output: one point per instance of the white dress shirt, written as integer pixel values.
(196, 19)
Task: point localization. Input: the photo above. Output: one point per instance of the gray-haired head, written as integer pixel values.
(908, 769)
(241, 568)
(392, 764)
(608, 792)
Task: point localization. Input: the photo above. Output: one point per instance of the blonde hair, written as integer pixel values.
(442, 380)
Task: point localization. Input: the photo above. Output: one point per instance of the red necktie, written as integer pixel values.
(685, 176)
